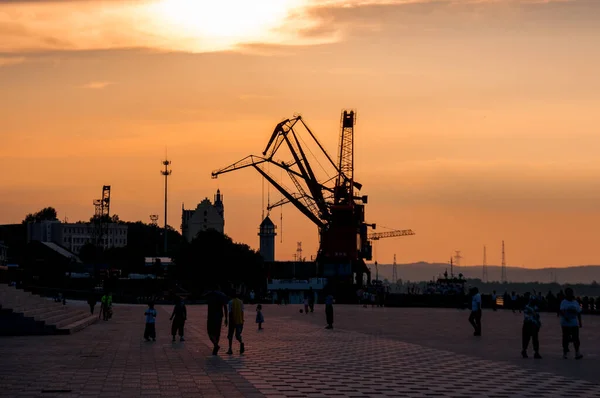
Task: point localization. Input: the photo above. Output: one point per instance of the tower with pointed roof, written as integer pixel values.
(267, 236)
(219, 205)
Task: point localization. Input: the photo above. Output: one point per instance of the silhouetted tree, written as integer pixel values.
(107, 219)
(46, 214)
(214, 257)
(88, 253)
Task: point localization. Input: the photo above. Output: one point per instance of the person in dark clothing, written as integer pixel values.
(559, 298)
(217, 309)
(150, 330)
(329, 311)
(178, 317)
(92, 302)
(311, 300)
(475, 317)
(531, 327)
(494, 301)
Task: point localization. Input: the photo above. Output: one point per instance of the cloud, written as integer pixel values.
(7, 61)
(96, 85)
(254, 97)
(182, 25)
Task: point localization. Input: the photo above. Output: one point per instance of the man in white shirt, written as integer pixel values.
(475, 317)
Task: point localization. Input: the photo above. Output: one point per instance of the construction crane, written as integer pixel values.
(390, 234)
(102, 217)
(375, 236)
(327, 195)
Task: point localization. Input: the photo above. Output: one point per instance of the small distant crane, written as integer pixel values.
(390, 234)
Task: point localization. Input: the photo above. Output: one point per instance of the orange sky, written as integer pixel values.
(477, 120)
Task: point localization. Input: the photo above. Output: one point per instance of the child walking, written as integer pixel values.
(236, 322)
(150, 331)
(259, 316)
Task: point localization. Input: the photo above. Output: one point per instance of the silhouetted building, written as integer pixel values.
(267, 239)
(47, 257)
(73, 236)
(206, 216)
(14, 236)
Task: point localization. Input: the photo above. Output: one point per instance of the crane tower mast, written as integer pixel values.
(345, 178)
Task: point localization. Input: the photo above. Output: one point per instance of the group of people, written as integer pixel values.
(105, 305)
(178, 318)
(221, 310)
(570, 321)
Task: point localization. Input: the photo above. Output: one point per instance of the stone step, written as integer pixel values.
(54, 317)
(74, 318)
(42, 315)
(26, 306)
(77, 325)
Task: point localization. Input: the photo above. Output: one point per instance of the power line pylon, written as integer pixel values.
(154, 219)
(457, 258)
(299, 252)
(166, 172)
(485, 267)
(503, 277)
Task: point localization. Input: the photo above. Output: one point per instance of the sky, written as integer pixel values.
(477, 121)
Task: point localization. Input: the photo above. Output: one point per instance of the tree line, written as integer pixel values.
(211, 257)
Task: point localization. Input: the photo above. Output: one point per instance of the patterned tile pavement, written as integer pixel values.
(370, 353)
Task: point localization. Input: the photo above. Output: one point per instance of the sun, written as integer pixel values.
(225, 22)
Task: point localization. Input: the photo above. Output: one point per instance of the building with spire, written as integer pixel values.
(207, 215)
(267, 240)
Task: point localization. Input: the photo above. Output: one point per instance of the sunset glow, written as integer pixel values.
(477, 120)
(223, 23)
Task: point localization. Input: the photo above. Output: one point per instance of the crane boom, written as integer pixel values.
(390, 234)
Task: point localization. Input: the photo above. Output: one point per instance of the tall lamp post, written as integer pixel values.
(166, 172)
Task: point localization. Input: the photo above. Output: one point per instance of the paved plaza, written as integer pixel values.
(372, 352)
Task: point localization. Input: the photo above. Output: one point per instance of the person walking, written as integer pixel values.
(106, 306)
(179, 316)
(311, 300)
(531, 327)
(329, 310)
(150, 330)
(236, 322)
(259, 317)
(494, 301)
(92, 302)
(475, 317)
(570, 322)
(217, 309)
(306, 304)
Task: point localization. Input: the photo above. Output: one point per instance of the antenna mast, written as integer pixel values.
(457, 258)
(485, 268)
(503, 278)
(394, 271)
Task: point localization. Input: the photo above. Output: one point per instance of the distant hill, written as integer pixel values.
(423, 271)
